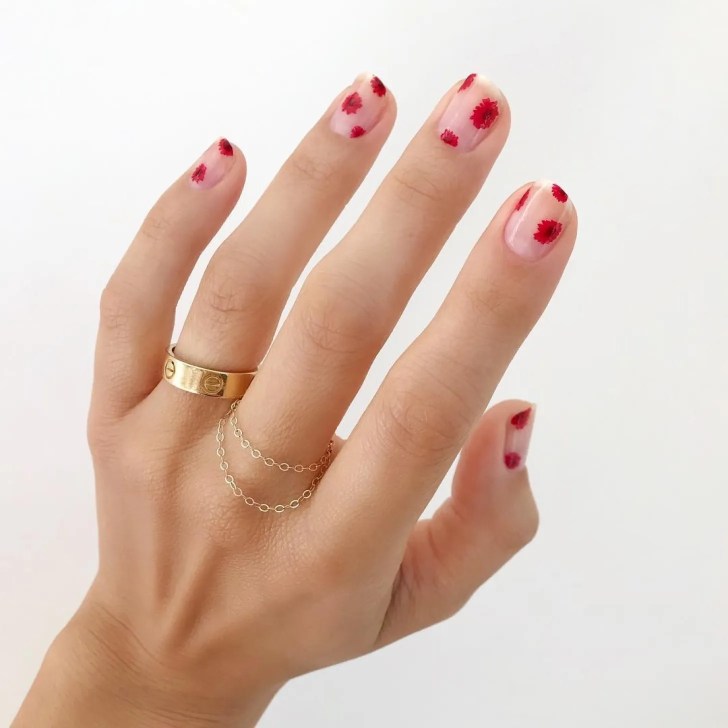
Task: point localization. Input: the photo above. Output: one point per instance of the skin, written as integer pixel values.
(203, 607)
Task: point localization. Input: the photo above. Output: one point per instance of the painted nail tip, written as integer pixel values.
(519, 427)
(470, 115)
(361, 108)
(558, 191)
(480, 79)
(368, 77)
(214, 164)
(225, 147)
(511, 460)
(523, 417)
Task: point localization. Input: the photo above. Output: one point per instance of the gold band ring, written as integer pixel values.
(208, 382)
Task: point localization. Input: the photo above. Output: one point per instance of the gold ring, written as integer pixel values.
(208, 382)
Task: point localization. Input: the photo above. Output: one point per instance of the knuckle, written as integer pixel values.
(229, 290)
(157, 226)
(424, 421)
(418, 187)
(333, 320)
(496, 304)
(312, 169)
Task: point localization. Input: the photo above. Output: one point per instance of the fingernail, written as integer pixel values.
(471, 113)
(538, 219)
(213, 165)
(361, 108)
(518, 437)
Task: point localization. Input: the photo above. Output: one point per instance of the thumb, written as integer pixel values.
(489, 517)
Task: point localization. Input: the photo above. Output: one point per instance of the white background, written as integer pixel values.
(617, 614)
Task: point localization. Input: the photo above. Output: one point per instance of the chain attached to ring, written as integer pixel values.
(270, 462)
(318, 467)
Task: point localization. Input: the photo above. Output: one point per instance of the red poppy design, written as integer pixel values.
(226, 149)
(357, 131)
(512, 460)
(352, 103)
(377, 86)
(449, 137)
(559, 193)
(520, 420)
(548, 231)
(484, 114)
(467, 83)
(199, 174)
(523, 199)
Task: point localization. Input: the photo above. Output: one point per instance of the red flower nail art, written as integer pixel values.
(357, 131)
(449, 137)
(512, 460)
(520, 420)
(559, 193)
(523, 199)
(377, 86)
(548, 231)
(226, 149)
(352, 103)
(467, 83)
(484, 114)
(199, 174)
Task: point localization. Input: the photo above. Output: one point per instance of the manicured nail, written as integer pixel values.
(471, 113)
(518, 436)
(538, 219)
(361, 108)
(213, 165)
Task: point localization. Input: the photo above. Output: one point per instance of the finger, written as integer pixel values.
(490, 516)
(243, 291)
(419, 419)
(353, 298)
(138, 303)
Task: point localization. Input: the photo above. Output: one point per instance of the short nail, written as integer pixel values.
(518, 436)
(361, 108)
(537, 220)
(471, 113)
(213, 165)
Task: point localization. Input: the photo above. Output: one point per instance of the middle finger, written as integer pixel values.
(354, 296)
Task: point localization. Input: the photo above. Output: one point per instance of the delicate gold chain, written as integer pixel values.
(321, 466)
(270, 462)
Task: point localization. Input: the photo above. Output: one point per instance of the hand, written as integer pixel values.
(204, 606)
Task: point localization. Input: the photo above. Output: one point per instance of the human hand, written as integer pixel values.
(204, 606)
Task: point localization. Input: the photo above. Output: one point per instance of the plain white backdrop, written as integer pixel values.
(617, 614)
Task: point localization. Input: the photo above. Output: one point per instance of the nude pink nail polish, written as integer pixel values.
(469, 117)
(518, 437)
(361, 108)
(538, 220)
(213, 165)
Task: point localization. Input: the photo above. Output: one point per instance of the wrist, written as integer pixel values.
(96, 673)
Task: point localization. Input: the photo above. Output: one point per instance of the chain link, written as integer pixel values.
(270, 462)
(320, 467)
